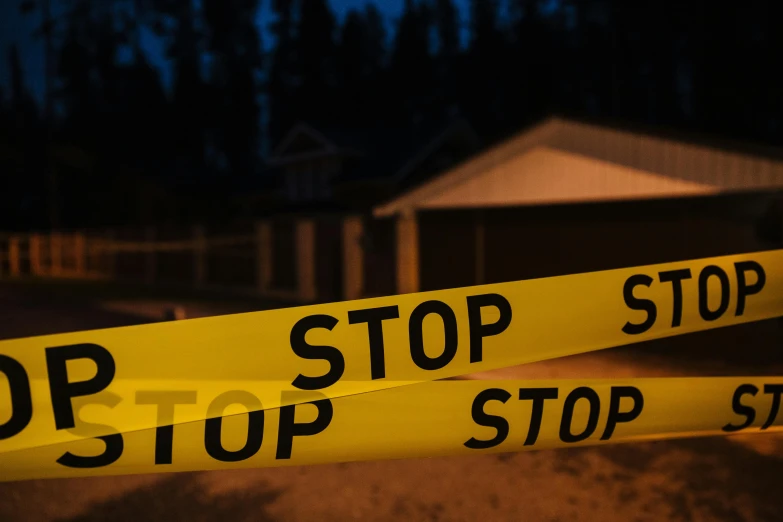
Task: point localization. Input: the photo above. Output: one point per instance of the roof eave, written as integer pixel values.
(411, 199)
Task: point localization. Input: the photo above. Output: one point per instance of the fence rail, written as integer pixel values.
(262, 262)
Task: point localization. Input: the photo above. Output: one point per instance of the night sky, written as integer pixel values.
(18, 28)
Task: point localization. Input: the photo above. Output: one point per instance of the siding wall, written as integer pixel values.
(329, 259)
(284, 255)
(380, 257)
(529, 242)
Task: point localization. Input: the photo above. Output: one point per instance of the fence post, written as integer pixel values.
(305, 260)
(407, 253)
(353, 258)
(199, 255)
(263, 257)
(151, 272)
(35, 254)
(13, 256)
(91, 265)
(80, 254)
(56, 254)
(110, 254)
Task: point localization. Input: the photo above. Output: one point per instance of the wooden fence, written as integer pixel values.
(294, 259)
(306, 259)
(62, 255)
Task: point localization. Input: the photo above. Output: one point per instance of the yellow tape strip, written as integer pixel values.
(430, 419)
(348, 348)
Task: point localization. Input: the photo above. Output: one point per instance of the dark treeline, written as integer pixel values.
(111, 143)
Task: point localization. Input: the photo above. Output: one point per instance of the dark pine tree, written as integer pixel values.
(593, 58)
(234, 42)
(533, 74)
(483, 93)
(360, 64)
(23, 109)
(411, 66)
(189, 101)
(315, 51)
(448, 54)
(78, 94)
(282, 81)
(21, 152)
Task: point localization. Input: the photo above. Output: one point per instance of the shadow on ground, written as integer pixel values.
(713, 477)
(742, 349)
(181, 497)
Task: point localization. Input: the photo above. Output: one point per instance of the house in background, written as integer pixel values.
(569, 196)
(355, 218)
(326, 168)
(308, 164)
(317, 175)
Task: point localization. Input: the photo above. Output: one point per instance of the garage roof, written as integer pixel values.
(567, 161)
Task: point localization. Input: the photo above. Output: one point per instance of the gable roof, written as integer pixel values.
(562, 160)
(389, 153)
(285, 152)
(296, 131)
(459, 129)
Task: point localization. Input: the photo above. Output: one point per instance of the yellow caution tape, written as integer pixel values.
(354, 347)
(114, 377)
(430, 419)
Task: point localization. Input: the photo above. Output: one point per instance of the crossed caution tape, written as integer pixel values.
(362, 379)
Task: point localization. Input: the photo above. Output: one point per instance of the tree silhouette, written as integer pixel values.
(593, 58)
(447, 20)
(21, 160)
(282, 81)
(315, 50)
(375, 37)
(532, 50)
(484, 96)
(234, 42)
(675, 63)
(23, 109)
(77, 93)
(411, 65)
(448, 54)
(360, 68)
(189, 101)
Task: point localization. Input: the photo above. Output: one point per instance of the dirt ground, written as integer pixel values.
(708, 479)
(713, 479)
